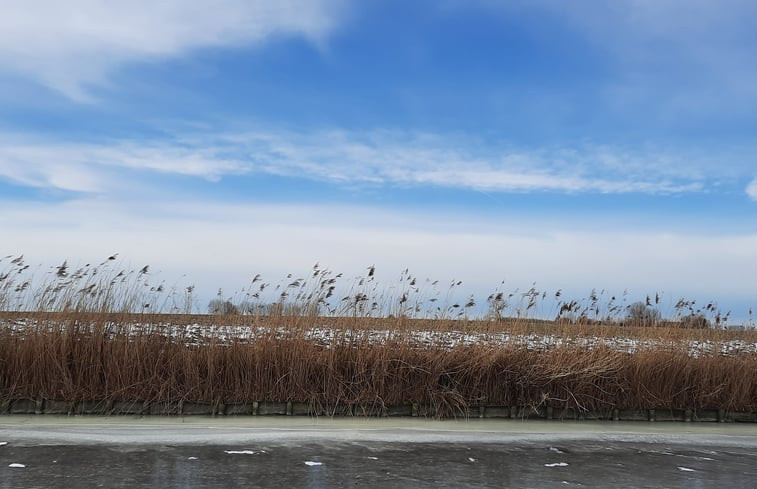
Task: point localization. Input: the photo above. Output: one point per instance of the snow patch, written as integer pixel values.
(3, 443)
(686, 469)
(558, 464)
(197, 334)
(312, 464)
(471, 459)
(240, 452)
(191, 458)
(17, 466)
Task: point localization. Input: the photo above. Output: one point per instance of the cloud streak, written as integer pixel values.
(751, 189)
(686, 57)
(69, 45)
(95, 168)
(344, 158)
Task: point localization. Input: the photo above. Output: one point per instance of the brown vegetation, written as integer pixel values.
(82, 361)
(97, 343)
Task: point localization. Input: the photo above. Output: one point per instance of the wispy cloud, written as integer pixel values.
(350, 158)
(691, 56)
(751, 189)
(67, 45)
(95, 167)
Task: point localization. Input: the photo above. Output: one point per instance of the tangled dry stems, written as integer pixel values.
(80, 343)
(78, 362)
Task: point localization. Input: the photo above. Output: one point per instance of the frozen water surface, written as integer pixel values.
(320, 453)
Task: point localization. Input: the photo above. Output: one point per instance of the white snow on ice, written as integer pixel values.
(17, 466)
(240, 452)
(313, 464)
(558, 464)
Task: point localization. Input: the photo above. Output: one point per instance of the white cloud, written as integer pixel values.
(751, 189)
(685, 57)
(99, 168)
(68, 45)
(491, 179)
(380, 158)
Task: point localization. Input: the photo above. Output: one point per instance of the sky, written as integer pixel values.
(575, 145)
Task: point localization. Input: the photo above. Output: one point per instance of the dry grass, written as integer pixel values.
(79, 342)
(81, 360)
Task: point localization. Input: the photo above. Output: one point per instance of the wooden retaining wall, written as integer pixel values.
(272, 408)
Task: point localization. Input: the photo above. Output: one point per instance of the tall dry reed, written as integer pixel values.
(106, 333)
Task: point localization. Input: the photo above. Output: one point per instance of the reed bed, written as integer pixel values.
(80, 364)
(88, 336)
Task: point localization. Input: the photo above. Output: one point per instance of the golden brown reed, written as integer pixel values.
(98, 335)
(81, 361)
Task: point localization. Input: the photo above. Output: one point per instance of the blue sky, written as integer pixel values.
(577, 145)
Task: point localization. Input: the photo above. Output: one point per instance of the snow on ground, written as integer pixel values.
(196, 334)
